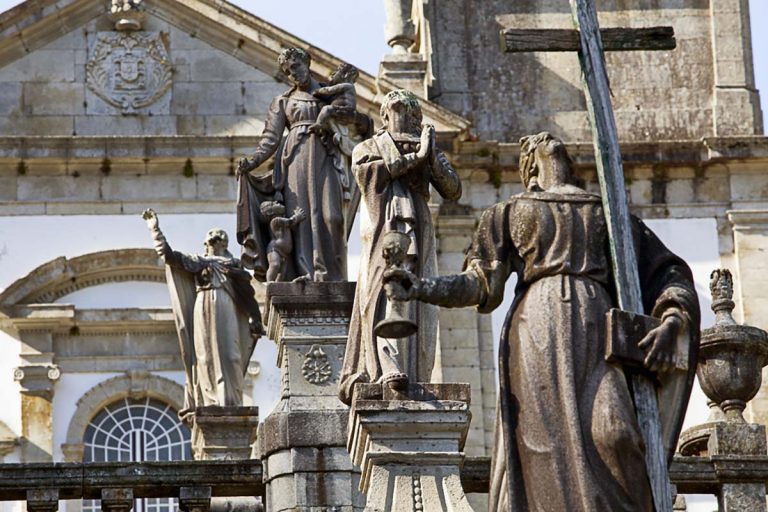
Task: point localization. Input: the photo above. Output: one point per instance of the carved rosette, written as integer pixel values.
(316, 368)
(129, 71)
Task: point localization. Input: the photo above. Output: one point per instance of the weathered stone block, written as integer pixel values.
(37, 125)
(55, 98)
(258, 95)
(216, 187)
(233, 125)
(117, 124)
(211, 65)
(226, 98)
(737, 439)
(190, 125)
(41, 66)
(46, 188)
(10, 98)
(741, 497)
(147, 188)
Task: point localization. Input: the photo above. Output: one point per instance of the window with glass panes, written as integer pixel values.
(137, 431)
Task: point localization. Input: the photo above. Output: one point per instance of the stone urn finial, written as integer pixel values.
(731, 359)
(731, 356)
(721, 287)
(127, 14)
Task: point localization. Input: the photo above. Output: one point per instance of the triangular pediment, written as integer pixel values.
(224, 72)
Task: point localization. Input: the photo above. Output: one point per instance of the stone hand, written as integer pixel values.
(150, 216)
(245, 165)
(427, 142)
(400, 284)
(299, 214)
(659, 345)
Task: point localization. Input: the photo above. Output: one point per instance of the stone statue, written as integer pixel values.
(567, 437)
(281, 245)
(310, 172)
(217, 318)
(394, 170)
(341, 93)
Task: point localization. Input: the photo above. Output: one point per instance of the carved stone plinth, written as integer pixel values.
(409, 446)
(303, 441)
(407, 70)
(224, 433)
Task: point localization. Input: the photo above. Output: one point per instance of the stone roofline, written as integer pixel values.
(35, 23)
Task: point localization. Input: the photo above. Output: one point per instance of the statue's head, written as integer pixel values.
(272, 209)
(216, 242)
(538, 155)
(344, 74)
(404, 106)
(294, 62)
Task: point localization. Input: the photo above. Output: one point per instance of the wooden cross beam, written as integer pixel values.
(610, 174)
(517, 40)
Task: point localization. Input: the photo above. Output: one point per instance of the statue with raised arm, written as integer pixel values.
(394, 171)
(217, 317)
(567, 436)
(311, 172)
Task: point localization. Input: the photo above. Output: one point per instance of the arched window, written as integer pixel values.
(136, 431)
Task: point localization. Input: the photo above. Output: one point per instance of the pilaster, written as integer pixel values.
(37, 387)
(736, 101)
(302, 442)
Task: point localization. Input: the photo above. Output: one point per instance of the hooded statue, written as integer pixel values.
(567, 436)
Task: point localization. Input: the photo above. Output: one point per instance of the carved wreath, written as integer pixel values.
(133, 85)
(316, 368)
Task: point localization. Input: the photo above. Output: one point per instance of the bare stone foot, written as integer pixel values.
(303, 279)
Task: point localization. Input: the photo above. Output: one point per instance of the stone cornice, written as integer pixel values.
(215, 155)
(504, 156)
(62, 276)
(66, 319)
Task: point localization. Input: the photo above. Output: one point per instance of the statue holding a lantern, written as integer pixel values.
(391, 342)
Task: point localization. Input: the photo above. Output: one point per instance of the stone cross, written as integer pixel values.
(587, 39)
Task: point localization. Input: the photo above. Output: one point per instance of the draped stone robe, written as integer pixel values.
(214, 307)
(310, 173)
(391, 201)
(567, 437)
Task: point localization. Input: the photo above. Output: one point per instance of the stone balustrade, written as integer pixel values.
(117, 484)
(195, 482)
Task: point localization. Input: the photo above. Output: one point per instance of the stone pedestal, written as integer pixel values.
(224, 433)
(409, 446)
(303, 441)
(737, 440)
(407, 70)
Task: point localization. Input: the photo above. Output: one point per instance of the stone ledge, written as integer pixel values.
(691, 475)
(297, 429)
(148, 479)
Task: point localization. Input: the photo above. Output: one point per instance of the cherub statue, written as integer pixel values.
(281, 244)
(340, 91)
(217, 317)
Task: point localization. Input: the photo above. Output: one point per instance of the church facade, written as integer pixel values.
(100, 122)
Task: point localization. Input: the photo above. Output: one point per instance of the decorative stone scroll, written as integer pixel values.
(129, 71)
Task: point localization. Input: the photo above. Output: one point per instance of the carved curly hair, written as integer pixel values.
(291, 54)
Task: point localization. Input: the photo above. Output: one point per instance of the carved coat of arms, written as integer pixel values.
(129, 71)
